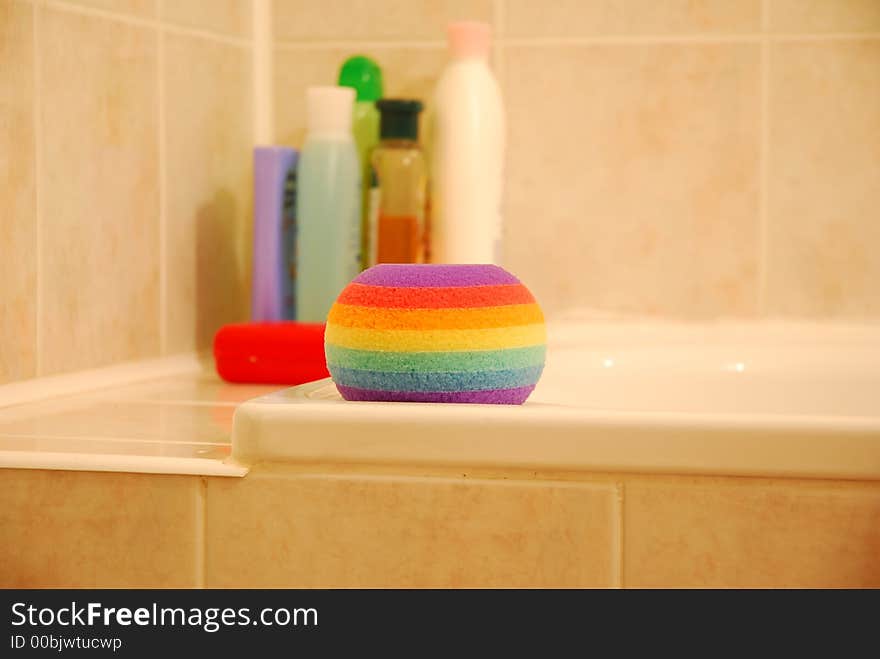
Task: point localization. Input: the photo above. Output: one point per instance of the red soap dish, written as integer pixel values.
(271, 353)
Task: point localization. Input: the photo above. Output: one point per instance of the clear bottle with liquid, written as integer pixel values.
(328, 203)
(400, 181)
(363, 75)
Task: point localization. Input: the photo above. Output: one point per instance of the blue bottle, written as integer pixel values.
(328, 203)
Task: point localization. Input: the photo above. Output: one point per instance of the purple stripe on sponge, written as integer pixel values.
(434, 275)
(515, 396)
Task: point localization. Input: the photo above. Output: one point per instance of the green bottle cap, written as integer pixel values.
(399, 118)
(364, 75)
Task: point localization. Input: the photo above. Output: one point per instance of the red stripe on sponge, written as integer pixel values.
(455, 297)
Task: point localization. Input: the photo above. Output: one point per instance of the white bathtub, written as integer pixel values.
(732, 399)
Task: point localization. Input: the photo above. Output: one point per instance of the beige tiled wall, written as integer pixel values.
(823, 233)
(125, 137)
(694, 159)
(18, 262)
(373, 526)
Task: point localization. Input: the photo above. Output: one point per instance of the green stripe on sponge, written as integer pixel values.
(426, 362)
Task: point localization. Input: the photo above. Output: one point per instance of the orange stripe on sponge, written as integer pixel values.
(347, 315)
(452, 297)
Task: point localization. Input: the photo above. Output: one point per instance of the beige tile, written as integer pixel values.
(633, 171)
(208, 152)
(576, 18)
(703, 532)
(276, 530)
(406, 72)
(226, 16)
(18, 264)
(824, 15)
(305, 20)
(99, 183)
(141, 8)
(824, 181)
(83, 529)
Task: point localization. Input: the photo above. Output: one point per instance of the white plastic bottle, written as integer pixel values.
(328, 203)
(468, 152)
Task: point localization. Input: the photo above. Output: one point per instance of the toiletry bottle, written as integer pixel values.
(468, 152)
(289, 254)
(328, 203)
(365, 76)
(400, 178)
(273, 283)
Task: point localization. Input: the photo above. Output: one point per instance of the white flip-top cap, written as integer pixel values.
(329, 110)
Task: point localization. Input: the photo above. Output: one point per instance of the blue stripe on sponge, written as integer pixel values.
(437, 382)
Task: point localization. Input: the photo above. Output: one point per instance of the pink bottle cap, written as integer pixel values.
(469, 38)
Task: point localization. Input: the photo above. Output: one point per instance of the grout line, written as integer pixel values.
(828, 36)
(240, 42)
(621, 39)
(127, 19)
(499, 54)
(356, 44)
(200, 530)
(763, 162)
(121, 440)
(163, 196)
(503, 40)
(682, 39)
(618, 540)
(38, 187)
(61, 5)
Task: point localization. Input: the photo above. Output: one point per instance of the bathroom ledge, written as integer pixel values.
(548, 436)
(747, 399)
(139, 464)
(165, 416)
(78, 382)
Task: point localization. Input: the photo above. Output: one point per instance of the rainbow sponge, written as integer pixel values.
(436, 334)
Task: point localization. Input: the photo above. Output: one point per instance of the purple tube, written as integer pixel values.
(273, 286)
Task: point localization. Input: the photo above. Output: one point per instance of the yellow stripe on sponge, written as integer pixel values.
(406, 340)
(347, 315)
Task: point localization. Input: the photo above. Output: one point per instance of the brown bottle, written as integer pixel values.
(400, 182)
